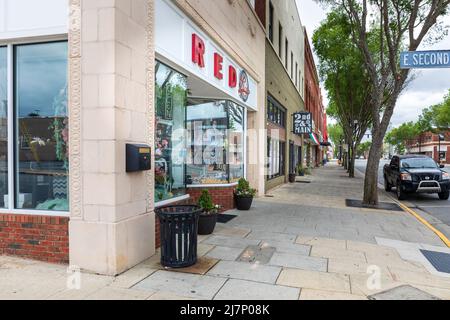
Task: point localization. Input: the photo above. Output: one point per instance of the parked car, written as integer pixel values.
(416, 174)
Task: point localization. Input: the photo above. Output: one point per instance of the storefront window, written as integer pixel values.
(171, 89)
(275, 158)
(216, 133)
(236, 141)
(41, 126)
(3, 128)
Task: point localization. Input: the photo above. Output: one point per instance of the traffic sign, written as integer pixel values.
(425, 59)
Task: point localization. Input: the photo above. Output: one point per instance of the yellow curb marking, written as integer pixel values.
(426, 223)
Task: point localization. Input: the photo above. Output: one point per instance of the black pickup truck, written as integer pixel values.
(416, 174)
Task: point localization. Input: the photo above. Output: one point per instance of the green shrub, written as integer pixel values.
(243, 189)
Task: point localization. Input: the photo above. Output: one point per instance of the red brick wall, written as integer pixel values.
(221, 195)
(35, 237)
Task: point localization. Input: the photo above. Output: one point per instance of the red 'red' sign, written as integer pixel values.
(198, 53)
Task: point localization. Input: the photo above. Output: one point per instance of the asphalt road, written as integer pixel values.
(429, 204)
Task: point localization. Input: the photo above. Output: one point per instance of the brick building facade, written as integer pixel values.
(428, 144)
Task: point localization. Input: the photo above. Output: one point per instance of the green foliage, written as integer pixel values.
(336, 134)
(243, 189)
(346, 80)
(206, 202)
(363, 148)
(433, 119)
(399, 137)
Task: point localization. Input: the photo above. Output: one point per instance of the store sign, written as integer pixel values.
(303, 123)
(179, 41)
(425, 59)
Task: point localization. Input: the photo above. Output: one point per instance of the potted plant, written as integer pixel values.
(300, 169)
(292, 177)
(244, 195)
(208, 218)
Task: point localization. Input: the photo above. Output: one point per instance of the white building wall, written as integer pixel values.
(31, 18)
(286, 13)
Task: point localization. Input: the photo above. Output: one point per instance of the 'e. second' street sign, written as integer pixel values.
(425, 59)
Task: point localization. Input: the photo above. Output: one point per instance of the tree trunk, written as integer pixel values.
(371, 177)
(352, 162)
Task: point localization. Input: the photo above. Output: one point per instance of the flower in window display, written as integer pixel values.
(60, 126)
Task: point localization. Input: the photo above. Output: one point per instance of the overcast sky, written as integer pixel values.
(429, 86)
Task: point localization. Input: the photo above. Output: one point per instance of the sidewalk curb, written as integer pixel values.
(411, 212)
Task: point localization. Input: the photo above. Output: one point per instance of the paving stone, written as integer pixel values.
(112, 293)
(182, 284)
(271, 236)
(248, 290)
(224, 253)
(351, 267)
(443, 294)
(246, 271)
(422, 278)
(403, 293)
(203, 249)
(299, 262)
(132, 276)
(285, 247)
(364, 284)
(257, 254)
(323, 242)
(326, 252)
(232, 231)
(231, 242)
(314, 280)
(372, 248)
(311, 294)
(203, 265)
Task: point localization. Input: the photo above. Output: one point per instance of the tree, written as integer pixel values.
(347, 83)
(399, 25)
(336, 135)
(399, 137)
(363, 148)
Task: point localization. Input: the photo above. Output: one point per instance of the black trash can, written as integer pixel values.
(178, 230)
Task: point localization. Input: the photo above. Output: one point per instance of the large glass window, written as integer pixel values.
(236, 141)
(216, 134)
(171, 90)
(3, 128)
(41, 126)
(275, 112)
(275, 158)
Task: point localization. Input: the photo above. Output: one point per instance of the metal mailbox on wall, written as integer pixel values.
(138, 157)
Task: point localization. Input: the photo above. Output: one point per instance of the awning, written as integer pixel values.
(314, 138)
(325, 144)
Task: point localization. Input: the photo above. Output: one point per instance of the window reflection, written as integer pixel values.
(169, 138)
(216, 150)
(3, 129)
(41, 126)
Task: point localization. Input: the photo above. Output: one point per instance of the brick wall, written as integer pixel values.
(35, 237)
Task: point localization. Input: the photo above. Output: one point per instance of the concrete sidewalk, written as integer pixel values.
(299, 242)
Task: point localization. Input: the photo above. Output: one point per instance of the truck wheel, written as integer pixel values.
(401, 195)
(387, 186)
(444, 195)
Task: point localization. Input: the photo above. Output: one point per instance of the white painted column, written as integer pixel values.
(111, 104)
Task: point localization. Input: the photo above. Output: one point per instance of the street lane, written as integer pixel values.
(428, 203)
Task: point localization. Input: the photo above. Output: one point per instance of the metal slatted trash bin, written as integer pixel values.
(178, 230)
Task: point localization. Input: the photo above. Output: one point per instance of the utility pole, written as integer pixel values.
(440, 138)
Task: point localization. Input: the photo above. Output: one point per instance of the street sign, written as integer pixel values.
(442, 155)
(303, 123)
(425, 59)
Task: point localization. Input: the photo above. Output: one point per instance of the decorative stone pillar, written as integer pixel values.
(111, 103)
